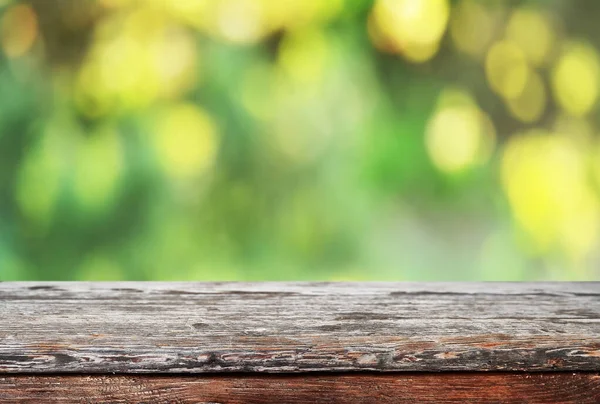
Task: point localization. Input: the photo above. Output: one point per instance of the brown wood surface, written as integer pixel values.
(297, 327)
(543, 388)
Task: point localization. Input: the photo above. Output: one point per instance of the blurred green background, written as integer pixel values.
(299, 139)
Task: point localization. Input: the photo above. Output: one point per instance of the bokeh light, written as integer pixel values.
(98, 166)
(240, 21)
(412, 28)
(459, 135)
(506, 69)
(529, 105)
(472, 27)
(18, 30)
(547, 185)
(40, 179)
(303, 56)
(575, 78)
(185, 141)
(532, 31)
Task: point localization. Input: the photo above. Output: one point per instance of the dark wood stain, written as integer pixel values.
(132, 290)
(365, 388)
(45, 287)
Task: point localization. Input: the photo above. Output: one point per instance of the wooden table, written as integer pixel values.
(299, 342)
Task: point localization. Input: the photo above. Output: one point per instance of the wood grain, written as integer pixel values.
(297, 327)
(543, 388)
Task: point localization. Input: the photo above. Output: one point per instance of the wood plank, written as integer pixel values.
(297, 327)
(543, 388)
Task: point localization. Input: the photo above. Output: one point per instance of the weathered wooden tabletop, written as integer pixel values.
(342, 342)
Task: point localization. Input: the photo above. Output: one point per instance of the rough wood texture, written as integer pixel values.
(543, 388)
(297, 327)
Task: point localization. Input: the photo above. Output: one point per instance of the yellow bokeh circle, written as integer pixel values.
(529, 106)
(575, 78)
(532, 31)
(471, 27)
(185, 141)
(506, 69)
(458, 135)
(545, 178)
(412, 28)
